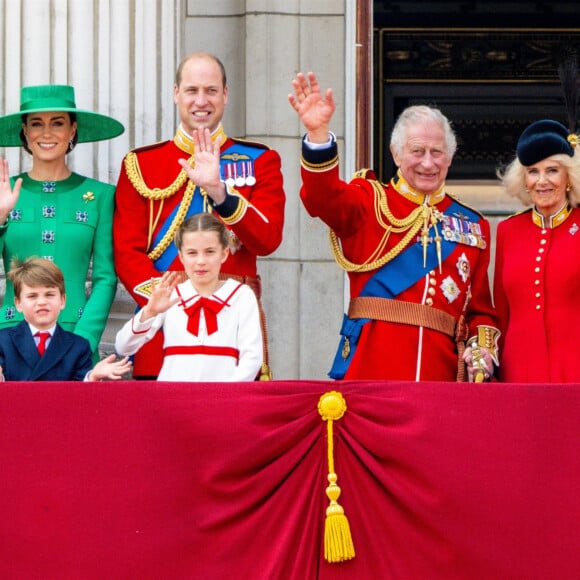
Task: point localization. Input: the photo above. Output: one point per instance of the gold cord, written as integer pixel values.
(136, 178)
(411, 224)
(177, 220)
(160, 194)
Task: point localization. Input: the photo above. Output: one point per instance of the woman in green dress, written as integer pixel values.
(52, 212)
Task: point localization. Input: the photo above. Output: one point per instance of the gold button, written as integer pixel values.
(432, 273)
(544, 231)
(541, 251)
(538, 258)
(429, 301)
(538, 294)
(536, 269)
(543, 242)
(537, 282)
(432, 281)
(431, 291)
(538, 307)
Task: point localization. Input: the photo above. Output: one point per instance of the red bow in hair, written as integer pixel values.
(210, 308)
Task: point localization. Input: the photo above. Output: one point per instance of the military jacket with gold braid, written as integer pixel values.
(153, 196)
(424, 254)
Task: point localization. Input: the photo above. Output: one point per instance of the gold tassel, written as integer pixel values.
(338, 544)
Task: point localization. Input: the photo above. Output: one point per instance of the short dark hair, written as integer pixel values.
(202, 222)
(35, 272)
(200, 55)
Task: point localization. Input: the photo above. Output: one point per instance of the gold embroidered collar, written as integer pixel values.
(400, 184)
(185, 142)
(554, 220)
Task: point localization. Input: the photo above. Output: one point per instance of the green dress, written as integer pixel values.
(70, 223)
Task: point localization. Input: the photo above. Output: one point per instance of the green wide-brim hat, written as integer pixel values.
(48, 98)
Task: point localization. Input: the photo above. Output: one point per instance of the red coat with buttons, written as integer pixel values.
(537, 293)
(389, 350)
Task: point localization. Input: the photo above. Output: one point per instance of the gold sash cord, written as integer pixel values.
(411, 313)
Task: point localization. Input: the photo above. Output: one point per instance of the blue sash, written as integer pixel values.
(396, 276)
(168, 256)
(237, 160)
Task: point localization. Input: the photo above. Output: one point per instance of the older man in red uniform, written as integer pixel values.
(417, 258)
(201, 169)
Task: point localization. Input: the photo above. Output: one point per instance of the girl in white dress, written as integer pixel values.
(211, 327)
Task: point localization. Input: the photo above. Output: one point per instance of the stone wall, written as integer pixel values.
(121, 57)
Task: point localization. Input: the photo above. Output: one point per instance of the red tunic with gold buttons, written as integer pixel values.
(151, 201)
(537, 293)
(366, 217)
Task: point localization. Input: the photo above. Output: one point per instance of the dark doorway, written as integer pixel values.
(491, 67)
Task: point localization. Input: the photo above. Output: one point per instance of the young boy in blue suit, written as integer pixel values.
(60, 355)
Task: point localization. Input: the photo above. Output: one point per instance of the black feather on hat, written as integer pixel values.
(568, 73)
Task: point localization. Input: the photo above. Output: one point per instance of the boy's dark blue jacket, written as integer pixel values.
(68, 357)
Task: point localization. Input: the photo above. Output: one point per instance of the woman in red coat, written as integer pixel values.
(537, 267)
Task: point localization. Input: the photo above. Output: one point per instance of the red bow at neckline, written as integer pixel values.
(210, 308)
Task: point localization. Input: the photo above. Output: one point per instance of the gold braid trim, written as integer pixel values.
(411, 224)
(238, 214)
(134, 174)
(315, 167)
(177, 220)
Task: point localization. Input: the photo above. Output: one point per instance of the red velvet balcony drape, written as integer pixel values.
(214, 481)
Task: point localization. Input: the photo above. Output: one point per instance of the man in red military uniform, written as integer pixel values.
(201, 169)
(417, 258)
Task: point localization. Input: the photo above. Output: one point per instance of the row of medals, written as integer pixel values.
(239, 174)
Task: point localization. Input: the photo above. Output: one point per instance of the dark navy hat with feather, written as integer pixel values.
(543, 139)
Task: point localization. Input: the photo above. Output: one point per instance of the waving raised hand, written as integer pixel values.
(206, 167)
(8, 196)
(161, 291)
(314, 109)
